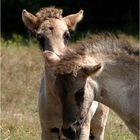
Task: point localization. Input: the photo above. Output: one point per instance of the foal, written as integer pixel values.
(52, 32)
(104, 70)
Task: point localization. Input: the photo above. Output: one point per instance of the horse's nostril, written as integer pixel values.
(69, 132)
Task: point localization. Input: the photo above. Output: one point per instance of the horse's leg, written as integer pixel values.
(98, 122)
(50, 124)
(47, 135)
(85, 131)
(49, 113)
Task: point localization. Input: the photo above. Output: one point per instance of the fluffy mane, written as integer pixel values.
(49, 12)
(103, 46)
(109, 45)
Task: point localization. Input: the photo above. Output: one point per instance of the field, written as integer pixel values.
(21, 67)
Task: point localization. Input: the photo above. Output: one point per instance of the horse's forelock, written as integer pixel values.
(66, 67)
(48, 12)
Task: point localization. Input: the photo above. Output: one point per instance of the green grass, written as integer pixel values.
(116, 129)
(21, 67)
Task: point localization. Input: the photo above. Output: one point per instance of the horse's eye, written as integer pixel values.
(66, 36)
(79, 96)
(41, 40)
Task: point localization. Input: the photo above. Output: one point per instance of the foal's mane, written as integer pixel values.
(109, 45)
(103, 46)
(49, 12)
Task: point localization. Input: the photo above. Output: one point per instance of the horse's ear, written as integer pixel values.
(51, 57)
(89, 70)
(73, 19)
(29, 20)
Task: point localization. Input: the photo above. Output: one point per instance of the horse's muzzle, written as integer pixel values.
(69, 132)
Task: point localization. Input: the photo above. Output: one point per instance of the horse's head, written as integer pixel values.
(75, 89)
(50, 28)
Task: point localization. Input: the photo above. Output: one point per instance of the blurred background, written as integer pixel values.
(99, 15)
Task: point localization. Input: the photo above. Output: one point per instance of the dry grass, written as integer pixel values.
(21, 68)
(20, 76)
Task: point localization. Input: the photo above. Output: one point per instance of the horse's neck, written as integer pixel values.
(117, 89)
(49, 79)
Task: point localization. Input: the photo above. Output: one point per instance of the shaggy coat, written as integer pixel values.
(105, 68)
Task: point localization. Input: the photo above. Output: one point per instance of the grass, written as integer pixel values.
(21, 67)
